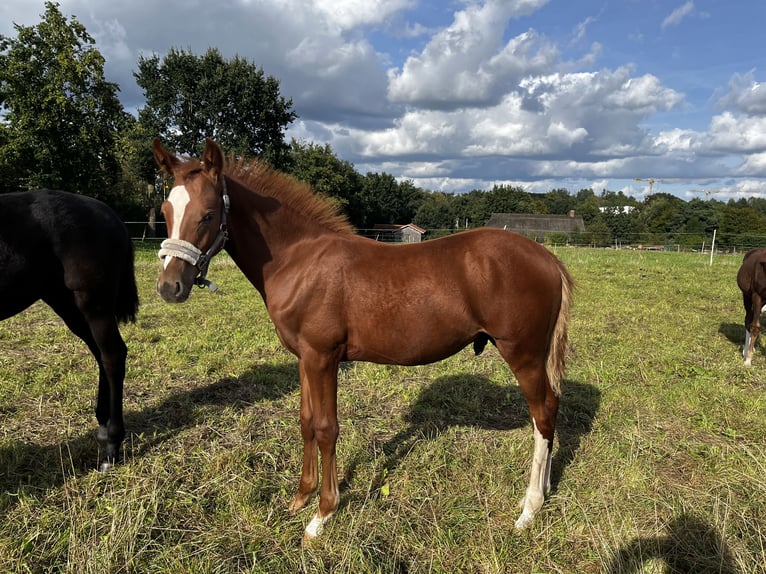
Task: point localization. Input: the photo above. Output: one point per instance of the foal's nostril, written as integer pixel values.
(171, 291)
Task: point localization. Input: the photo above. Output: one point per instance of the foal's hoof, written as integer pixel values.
(308, 541)
(524, 521)
(315, 528)
(298, 503)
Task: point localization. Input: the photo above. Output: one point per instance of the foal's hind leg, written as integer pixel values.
(543, 408)
(97, 327)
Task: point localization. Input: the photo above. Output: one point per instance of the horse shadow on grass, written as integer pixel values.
(734, 332)
(690, 546)
(470, 400)
(28, 467)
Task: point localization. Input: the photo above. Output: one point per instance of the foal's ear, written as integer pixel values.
(212, 158)
(163, 157)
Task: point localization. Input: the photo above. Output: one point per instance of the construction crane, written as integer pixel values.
(707, 192)
(651, 181)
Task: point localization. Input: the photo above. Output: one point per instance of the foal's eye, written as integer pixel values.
(207, 218)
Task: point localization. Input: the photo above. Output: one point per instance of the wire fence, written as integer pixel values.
(695, 242)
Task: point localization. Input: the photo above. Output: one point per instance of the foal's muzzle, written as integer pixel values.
(190, 253)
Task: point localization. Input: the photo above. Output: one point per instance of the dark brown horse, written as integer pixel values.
(751, 279)
(334, 296)
(75, 254)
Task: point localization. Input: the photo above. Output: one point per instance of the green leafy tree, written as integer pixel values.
(663, 215)
(388, 201)
(757, 203)
(59, 113)
(700, 215)
(472, 208)
(189, 98)
(559, 201)
(318, 166)
(598, 233)
(741, 225)
(141, 190)
(587, 205)
(436, 214)
(621, 223)
(509, 199)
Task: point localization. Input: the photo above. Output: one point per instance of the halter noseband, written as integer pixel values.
(192, 254)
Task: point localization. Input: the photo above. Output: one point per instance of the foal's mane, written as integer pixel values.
(294, 194)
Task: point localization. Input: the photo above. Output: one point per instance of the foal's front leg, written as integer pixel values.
(319, 427)
(309, 478)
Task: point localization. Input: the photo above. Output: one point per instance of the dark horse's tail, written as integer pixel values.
(558, 347)
(127, 303)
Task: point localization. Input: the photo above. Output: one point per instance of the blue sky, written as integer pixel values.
(465, 94)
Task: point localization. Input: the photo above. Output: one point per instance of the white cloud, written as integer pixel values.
(349, 14)
(678, 14)
(467, 64)
(745, 94)
(581, 29)
(471, 93)
(753, 165)
(730, 133)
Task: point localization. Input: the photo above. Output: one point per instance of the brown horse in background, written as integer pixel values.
(335, 296)
(751, 279)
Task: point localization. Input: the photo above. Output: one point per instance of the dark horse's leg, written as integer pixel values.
(753, 303)
(543, 409)
(319, 428)
(93, 321)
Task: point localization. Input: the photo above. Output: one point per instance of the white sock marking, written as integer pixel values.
(539, 479)
(316, 526)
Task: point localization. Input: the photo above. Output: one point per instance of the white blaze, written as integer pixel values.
(179, 199)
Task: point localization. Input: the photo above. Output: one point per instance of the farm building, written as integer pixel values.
(397, 233)
(537, 226)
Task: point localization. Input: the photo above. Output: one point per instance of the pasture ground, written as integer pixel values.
(659, 463)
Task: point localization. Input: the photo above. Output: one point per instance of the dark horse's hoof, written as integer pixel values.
(112, 451)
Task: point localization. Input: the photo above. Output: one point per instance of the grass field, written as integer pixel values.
(659, 462)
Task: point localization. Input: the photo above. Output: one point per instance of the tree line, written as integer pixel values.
(62, 126)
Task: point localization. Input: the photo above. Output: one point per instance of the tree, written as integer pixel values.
(318, 166)
(189, 98)
(471, 208)
(509, 199)
(388, 201)
(741, 225)
(587, 206)
(663, 214)
(60, 114)
(435, 214)
(559, 201)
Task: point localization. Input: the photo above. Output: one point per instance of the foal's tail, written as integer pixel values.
(558, 350)
(126, 306)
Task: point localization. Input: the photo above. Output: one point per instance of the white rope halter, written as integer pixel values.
(192, 254)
